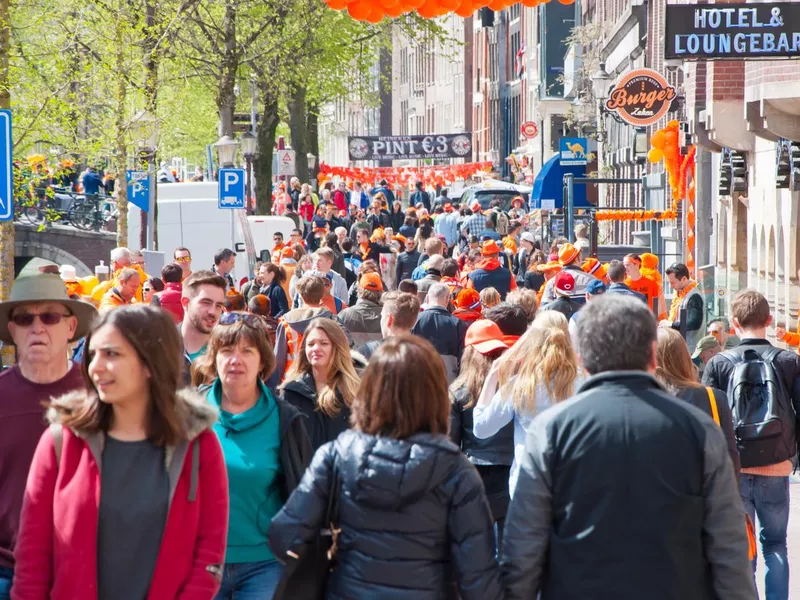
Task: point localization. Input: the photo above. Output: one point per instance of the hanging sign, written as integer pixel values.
(732, 31)
(529, 130)
(641, 97)
(398, 147)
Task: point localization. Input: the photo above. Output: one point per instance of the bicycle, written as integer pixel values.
(85, 211)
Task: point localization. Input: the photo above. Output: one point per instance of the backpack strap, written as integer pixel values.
(713, 402)
(770, 355)
(57, 432)
(733, 357)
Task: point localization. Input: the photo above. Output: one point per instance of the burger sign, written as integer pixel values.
(641, 97)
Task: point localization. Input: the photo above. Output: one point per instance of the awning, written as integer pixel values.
(548, 186)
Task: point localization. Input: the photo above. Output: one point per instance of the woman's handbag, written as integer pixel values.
(306, 572)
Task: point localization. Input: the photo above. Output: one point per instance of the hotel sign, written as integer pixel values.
(733, 31)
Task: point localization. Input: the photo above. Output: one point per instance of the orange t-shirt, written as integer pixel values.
(645, 286)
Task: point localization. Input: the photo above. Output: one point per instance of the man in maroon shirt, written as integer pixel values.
(41, 321)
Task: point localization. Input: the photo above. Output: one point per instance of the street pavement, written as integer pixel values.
(793, 542)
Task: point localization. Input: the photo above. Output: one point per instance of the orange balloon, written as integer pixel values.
(497, 5)
(384, 4)
(657, 140)
(670, 152)
(465, 9)
(671, 138)
(337, 4)
(450, 5)
(376, 15)
(655, 155)
(396, 10)
(531, 3)
(359, 10)
(429, 9)
(567, 2)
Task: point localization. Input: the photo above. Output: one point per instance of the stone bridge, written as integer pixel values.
(62, 244)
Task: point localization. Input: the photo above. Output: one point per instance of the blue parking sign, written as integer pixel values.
(139, 189)
(231, 188)
(6, 168)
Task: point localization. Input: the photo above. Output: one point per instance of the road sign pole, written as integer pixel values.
(569, 204)
(151, 213)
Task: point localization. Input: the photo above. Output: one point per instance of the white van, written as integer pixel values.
(188, 216)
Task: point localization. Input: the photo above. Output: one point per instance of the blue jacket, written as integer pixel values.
(624, 290)
(279, 304)
(446, 333)
(406, 263)
(492, 275)
(92, 182)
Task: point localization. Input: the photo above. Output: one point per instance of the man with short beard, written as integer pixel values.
(203, 302)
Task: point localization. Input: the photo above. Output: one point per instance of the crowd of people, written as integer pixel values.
(454, 413)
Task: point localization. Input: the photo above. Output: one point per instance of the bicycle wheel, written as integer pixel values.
(27, 211)
(81, 215)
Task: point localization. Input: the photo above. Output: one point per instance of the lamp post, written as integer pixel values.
(249, 148)
(226, 149)
(145, 129)
(312, 165)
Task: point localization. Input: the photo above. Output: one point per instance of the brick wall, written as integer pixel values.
(65, 245)
(764, 72)
(725, 80)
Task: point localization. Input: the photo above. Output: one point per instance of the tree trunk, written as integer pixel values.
(226, 97)
(120, 138)
(262, 165)
(298, 130)
(312, 126)
(6, 227)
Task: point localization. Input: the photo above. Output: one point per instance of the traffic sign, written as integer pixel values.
(138, 189)
(286, 162)
(529, 130)
(231, 188)
(6, 168)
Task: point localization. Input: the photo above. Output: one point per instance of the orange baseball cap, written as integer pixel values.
(468, 298)
(490, 247)
(371, 281)
(567, 254)
(591, 265)
(485, 336)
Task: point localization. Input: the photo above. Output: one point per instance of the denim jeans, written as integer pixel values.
(6, 577)
(250, 581)
(768, 499)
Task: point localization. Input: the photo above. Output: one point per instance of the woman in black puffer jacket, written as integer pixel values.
(414, 519)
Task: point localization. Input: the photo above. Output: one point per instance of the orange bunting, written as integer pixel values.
(404, 177)
(373, 11)
(635, 215)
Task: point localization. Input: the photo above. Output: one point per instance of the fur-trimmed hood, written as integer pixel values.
(201, 415)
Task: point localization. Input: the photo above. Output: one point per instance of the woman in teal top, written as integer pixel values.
(265, 445)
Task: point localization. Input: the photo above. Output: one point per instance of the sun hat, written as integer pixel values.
(68, 273)
(489, 247)
(371, 282)
(475, 206)
(44, 288)
(468, 298)
(565, 283)
(706, 343)
(435, 262)
(568, 253)
(485, 336)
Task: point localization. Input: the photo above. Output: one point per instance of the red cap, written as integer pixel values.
(485, 336)
(565, 283)
(490, 247)
(371, 281)
(468, 298)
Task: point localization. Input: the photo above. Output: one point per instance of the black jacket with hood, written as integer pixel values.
(414, 520)
(302, 395)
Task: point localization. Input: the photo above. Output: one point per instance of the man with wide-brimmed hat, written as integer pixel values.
(40, 320)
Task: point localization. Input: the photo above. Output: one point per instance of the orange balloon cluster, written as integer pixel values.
(398, 177)
(374, 11)
(635, 215)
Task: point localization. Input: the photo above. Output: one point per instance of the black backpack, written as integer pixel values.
(761, 408)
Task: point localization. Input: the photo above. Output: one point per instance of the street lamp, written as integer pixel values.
(312, 165)
(249, 148)
(600, 81)
(226, 149)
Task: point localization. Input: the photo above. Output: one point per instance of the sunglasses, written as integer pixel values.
(181, 259)
(249, 319)
(48, 318)
(147, 289)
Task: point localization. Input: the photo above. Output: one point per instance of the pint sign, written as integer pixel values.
(641, 97)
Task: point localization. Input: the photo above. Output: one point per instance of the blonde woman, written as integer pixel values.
(322, 381)
(677, 373)
(489, 297)
(539, 371)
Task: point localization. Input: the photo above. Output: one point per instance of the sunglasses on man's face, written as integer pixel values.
(249, 319)
(48, 318)
(146, 289)
(181, 259)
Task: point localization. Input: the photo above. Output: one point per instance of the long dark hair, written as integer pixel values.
(153, 335)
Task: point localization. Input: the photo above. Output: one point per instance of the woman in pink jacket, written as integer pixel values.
(127, 496)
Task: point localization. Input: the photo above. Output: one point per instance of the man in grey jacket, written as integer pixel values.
(624, 491)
